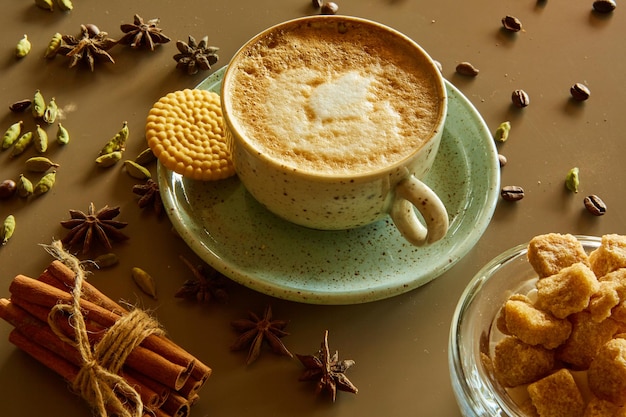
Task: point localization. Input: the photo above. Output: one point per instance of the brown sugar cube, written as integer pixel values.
(568, 291)
(601, 408)
(587, 337)
(516, 363)
(528, 409)
(550, 253)
(534, 326)
(607, 372)
(501, 318)
(609, 256)
(557, 395)
(603, 300)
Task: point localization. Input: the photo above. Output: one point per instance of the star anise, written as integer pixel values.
(255, 330)
(91, 43)
(142, 33)
(194, 56)
(94, 225)
(150, 195)
(327, 370)
(208, 284)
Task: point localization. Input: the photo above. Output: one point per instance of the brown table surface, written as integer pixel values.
(399, 344)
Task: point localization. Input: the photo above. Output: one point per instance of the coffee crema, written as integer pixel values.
(334, 98)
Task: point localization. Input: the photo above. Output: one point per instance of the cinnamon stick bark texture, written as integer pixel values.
(163, 378)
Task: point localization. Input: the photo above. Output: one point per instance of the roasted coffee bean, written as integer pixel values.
(502, 160)
(466, 68)
(317, 3)
(604, 6)
(595, 205)
(520, 98)
(511, 23)
(512, 193)
(7, 188)
(580, 92)
(329, 8)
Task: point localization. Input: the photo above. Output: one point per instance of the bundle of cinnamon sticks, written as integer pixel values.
(166, 377)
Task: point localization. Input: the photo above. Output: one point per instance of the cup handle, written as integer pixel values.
(410, 193)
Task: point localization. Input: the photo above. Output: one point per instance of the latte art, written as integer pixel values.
(328, 101)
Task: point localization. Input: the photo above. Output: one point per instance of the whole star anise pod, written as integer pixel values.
(142, 33)
(255, 330)
(327, 370)
(150, 196)
(91, 43)
(208, 284)
(94, 225)
(194, 56)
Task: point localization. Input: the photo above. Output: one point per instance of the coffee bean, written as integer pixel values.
(520, 98)
(580, 92)
(329, 8)
(512, 193)
(466, 68)
(502, 160)
(511, 23)
(317, 3)
(7, 188)
(604, 6)
(595, 205)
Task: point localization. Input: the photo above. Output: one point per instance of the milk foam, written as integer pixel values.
(318, 100)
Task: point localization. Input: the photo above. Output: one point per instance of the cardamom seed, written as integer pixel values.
(106, 260)
(580, 92)
(145, 157)
(65, 5)
(63, 136)
(53, 46)
(144, 281)
(24, 186)
(572, 180)
(520, 98)
(39, 105)
(40, 138)
(466, 68)
(45, 4)
(12, 134)
(39, 164)
(22, 144)
(45, 184)
(23, 47)
(512, 193)
(137, 171)
(109, 159)
(117, 142)
(595, 205)
(502, 132)
(20, 106)
(51, 112)
(7, 230)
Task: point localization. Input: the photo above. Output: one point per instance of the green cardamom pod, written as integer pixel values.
(144, 281)
(22, 144)
(12, 134)
(117, 142)
(51, 112)
(8, 227)
(145, 157)
(106, 260)
(53, 46)
(63, 136)
(23, 47)
(39, 105)
(45, 4)
(502, 132)
(40, 138)
(572, 180)
(45, 183)
(40, 164)
(137, 171)
(24, 186)
(65, 5)
(109, 159)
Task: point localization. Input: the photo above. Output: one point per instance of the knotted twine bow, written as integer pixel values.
(98, 380)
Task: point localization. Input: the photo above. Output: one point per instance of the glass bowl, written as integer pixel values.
(473, 331)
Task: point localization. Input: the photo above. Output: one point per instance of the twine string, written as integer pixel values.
(98, 380)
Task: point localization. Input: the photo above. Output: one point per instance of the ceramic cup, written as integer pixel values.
(332, 122)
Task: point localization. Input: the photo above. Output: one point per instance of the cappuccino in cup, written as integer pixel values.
(332, 121)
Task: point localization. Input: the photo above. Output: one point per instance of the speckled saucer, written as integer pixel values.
(233, 233)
